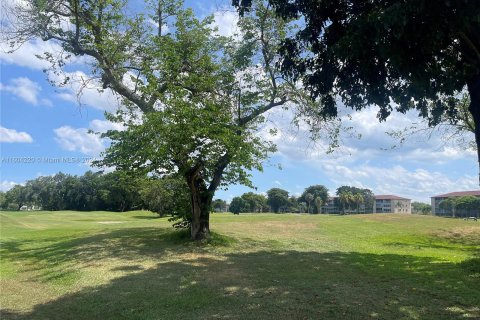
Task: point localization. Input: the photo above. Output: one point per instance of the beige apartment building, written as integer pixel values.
(392, 204)
(382, 204)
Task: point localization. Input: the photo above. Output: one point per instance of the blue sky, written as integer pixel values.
(44, 130)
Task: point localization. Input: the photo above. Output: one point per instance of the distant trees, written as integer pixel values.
(354, 199)
(249, 202)
(15, 198)
(219, 205)
(448, 205)
(277, 199)
(461, 206)
(468, 205)
(255, 202)
(2, 199)
(315, 196)
(345, 200)
(421, 208)
(166, 196)
(238, 205)
(114, 191)
(309, 198)
(318, 204)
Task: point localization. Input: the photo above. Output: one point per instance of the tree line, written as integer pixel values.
(314, 199)
(94, 191)
(460, 206)
(121, 191)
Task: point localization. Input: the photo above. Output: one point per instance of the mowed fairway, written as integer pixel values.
(100, 265)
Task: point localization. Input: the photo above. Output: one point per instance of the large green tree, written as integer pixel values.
(359, 197)
(238, 205)
(219, 205)
(395, 54)
(166, 196)
(256, 202)
(277, 199)
(193, 101)
(467, 205)
(311, 194)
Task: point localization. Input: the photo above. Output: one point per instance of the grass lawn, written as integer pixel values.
(100, 265)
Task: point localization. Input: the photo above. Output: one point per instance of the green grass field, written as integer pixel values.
(100, 265)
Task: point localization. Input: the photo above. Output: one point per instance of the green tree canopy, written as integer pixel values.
(219, 205)
(448, 204)
(310, 195)
(166, 196)
(359, 197)
(192, 100)
(238, 205)
(256, 202)
(468, 205)
(277, 199)
(421, 208)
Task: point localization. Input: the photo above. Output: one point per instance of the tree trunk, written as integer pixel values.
(474, 108)
(201, 200)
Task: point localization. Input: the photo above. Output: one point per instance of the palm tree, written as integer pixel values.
(358, 201)
(318, 204)
(345, 199)
(309, 198)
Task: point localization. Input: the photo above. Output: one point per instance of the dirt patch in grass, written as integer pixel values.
(14, 293)
(382, 217)
(281, 226)
(468, 235)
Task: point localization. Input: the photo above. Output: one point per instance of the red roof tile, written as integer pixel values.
(459, 194)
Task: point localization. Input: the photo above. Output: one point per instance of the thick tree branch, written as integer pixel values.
(260, 110)
(470, 44)
(220, 166)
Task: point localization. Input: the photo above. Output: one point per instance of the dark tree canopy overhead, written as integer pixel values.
(407, 54)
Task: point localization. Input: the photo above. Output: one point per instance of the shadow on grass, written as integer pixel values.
(466, 243)
(253, 285)
(147, 217)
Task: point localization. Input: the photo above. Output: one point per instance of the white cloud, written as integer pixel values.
(12, 136)
(26, 90)
(79, 140)
(82, 88)
(226, 22)
(82, 140)
(153, 23)
(374, 142)
(418, 184)
(91, 92)
(439, 156)
(6, 185)
(370, 162)
(26, 55)
(105, 125)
